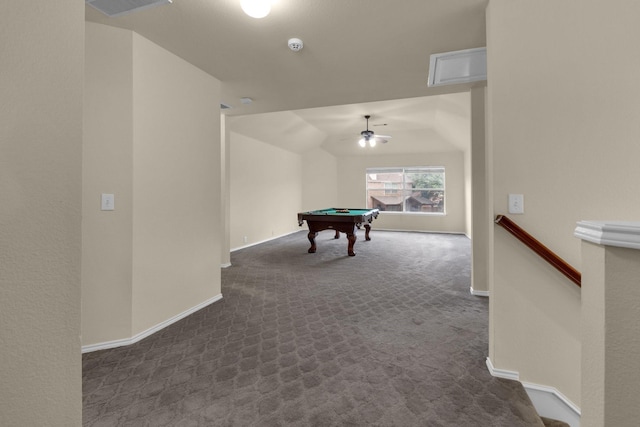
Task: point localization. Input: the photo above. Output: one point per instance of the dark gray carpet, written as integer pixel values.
(390, 337)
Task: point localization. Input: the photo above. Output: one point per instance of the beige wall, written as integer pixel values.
(563, 104)
(176, 185)
(352, 189)
(40, 212)
(225, 200)
(468, 192)
(260, 193)
(319, 180)
(266, 191)
(107, 246)
(611, 320)
(480, 201)
(152, 137)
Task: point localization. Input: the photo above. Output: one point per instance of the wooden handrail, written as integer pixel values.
(553, 259)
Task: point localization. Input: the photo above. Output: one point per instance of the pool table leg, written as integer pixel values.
(312, 238)
(352, 240)
(337, 236)
(367, 228)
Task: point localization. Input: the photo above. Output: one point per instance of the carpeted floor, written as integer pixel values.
(390, 337)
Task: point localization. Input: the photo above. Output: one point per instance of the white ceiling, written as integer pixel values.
(360, 57)
(426, 124)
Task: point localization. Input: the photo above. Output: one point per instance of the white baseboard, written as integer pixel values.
(304, 229)
(264, 241)
(501, 373)
(548, 401)
(479, 293)
(225, 265)
(421, 231)
(128, 341)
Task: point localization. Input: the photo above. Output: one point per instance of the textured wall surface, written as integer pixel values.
(266, 190)
(176, 185)
(40, 192)
(107, 158)
(563, 133)
(352, 190)
(152, 130)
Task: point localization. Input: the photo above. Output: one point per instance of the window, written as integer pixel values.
(418, 189)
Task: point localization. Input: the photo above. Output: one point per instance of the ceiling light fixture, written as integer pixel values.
(370, 140)
(368, 137)
(256, 8)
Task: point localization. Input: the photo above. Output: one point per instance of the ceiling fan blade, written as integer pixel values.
(369, 136)
(380, 140)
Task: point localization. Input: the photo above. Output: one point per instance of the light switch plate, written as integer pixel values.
(107, 203)
(516, 203)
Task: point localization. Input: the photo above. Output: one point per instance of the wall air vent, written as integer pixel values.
(114, 8)
(461, 66)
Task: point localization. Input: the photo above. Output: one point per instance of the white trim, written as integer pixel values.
(264, 241)
(478, 293)
(128, 341)
(106, 345)
(623, 234)
(421, 231)
(502, 373)
(548, 401)
(377, 229)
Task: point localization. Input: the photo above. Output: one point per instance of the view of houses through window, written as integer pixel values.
(417, 189)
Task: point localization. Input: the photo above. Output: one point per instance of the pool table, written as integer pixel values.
(340, 220)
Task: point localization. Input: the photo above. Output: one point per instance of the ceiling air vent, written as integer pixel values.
(115, 8)
(460, 66)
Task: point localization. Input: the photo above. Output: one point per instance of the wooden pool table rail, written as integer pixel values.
(328, 219)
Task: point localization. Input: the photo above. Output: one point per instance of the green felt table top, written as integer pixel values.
(339, 211)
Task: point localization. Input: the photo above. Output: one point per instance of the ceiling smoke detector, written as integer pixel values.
(295, 44)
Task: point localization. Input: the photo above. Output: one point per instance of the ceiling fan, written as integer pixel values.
(368, 137)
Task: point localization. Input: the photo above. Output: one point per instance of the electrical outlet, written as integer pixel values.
(516, 203)
(245, 239)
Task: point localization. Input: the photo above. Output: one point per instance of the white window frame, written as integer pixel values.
(403, 187)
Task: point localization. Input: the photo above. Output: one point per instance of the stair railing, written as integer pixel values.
(540, 249)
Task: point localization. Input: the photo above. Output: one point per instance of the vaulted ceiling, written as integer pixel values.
(359, 57)
(417, 125)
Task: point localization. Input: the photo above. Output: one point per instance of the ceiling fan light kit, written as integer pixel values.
(368, 137)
